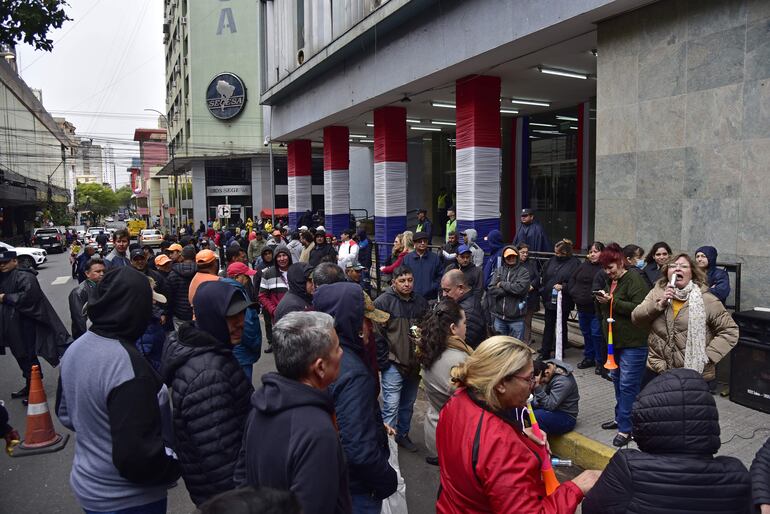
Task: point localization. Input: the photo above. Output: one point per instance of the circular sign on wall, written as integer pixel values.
(226, 96)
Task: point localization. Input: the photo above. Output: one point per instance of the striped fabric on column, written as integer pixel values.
(389, 175)
(336, 180)
(478, 155)
(300, 169)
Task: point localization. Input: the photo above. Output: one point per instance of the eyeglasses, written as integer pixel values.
(532, 379)
(680, 266)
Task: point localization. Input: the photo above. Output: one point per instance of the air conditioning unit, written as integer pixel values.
(183, 20)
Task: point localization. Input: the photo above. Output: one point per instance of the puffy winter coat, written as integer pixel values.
(508, 289)
(489, 466)
(178, 288)
(760, 476)
(668, 334)
(676, 425)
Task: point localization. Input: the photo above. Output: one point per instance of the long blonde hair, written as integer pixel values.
(496, 358)
(407, 241)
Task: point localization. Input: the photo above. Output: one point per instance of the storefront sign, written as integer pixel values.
(226, 96)
(236, 190)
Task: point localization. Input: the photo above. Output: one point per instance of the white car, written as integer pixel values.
(27, 257)
(150, 237)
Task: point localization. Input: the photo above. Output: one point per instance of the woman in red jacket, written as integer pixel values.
(488, 463)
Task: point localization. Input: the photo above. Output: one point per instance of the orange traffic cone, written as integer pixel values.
(40, 436)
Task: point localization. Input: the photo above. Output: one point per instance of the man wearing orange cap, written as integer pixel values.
(208, 269)
(175, 252)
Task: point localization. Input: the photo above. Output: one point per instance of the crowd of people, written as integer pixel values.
(170, 392)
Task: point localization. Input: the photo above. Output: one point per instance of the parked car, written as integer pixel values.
(150, 237)
(109, 219)
(27, 257)
(49, 239)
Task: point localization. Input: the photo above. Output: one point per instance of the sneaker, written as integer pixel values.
(21, 393)
(406, 443)
(610, 425)
(586, 363)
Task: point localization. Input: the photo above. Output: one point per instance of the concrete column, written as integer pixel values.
(300, 169)
(200, 209)
(478, 155)
(336, 180)
(389, 175)
(261, 192)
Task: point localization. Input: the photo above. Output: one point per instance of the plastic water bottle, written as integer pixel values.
(523, 306)
(554, 296)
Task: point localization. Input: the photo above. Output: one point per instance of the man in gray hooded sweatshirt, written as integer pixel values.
(469, 239)
(556, 398)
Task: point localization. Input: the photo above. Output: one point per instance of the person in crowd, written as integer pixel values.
(634, 260)
(354, 270)
(441, 347)
(717, 280)
(348, 249)
(327, 273)
(29, 325)
(139, 263)
(365, 258)
(88, 252)
(426, 267)
(175, 252)
(487, 462)
(83, 294)
(308, 243)
(454, 285)
(149, 256)
(676, 425)
(102, 239)
(449, 250)
(322, 251)
(249, 350)
(464, 263)
(580, 288)
(276, 238)
(532, 233)
(688, 326)
(208, 270)
(442, 198)
(178, 287)
(469, 240)
(508, 295)
(118, 257)
(760, 479)
(163, 265)
(75, 250)
(209, 390)
(623, 292)
(273, 286)
(496, 246)
(255, 247)
(306, 219)
(355, 394)
(400, 371)
(248, 500)
(554, 279)
(265, 260)
(299, 297)
(655, 260)
(533, 294)
(403, 244)
(424, 224)
(150, 343)
(556, 398)
(451, 223)
(295, 246)
(109, 398)
(291, 441)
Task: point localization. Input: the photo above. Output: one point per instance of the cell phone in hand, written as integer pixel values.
(598, 292)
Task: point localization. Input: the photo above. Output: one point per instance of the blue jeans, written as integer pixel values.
(627, 379)
(365, 504)
(398, 396)
(510, 328)
(158, 507)
(554, 422)
(592, 335)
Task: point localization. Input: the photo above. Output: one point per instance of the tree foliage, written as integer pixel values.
(100, 200)
(30, 21)
(123, 196)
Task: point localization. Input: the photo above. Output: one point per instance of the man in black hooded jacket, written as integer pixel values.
(210, 392)
(178, 287)
(299, 297)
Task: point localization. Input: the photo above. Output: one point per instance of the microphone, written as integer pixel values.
(671, 282)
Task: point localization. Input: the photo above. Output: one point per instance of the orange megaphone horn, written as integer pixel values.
(610, 364)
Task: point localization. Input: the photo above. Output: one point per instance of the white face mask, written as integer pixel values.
(640, 263)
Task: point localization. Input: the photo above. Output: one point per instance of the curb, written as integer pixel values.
(584, 452)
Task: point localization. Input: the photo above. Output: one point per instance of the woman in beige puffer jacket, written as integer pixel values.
(668, 331)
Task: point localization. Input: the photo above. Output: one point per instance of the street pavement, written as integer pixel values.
(40, 483)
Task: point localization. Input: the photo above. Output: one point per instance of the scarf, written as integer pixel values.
(695, 357)
(456, 343)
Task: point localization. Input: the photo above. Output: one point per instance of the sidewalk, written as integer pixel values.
(597, 404)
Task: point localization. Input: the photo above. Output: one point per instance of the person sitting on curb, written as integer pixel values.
(556, 398)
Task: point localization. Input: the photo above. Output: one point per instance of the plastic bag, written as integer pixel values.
(396, 502)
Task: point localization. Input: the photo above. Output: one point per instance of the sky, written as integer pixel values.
(106, 67)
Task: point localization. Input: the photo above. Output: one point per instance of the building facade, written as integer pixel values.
(628, 121)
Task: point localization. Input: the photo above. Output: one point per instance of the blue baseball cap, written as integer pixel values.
(7, 255)
(463, 249)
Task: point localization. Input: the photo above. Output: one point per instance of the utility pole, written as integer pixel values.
(175, 200)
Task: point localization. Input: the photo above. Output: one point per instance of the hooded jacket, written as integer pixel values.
(178, 288)
(249, 350)
(496, 245)
(760, 476)
(558, 270)
(561, 392)
(291, 443)
(676, 425)
(718, 279)
(476, 251)
(322, 253)
(78, 298)
(210, 394)
(273, 285)
(533, 296)
(395, 334)
(297, 298)
(508, 289)
(108, 394)
(355, 395)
